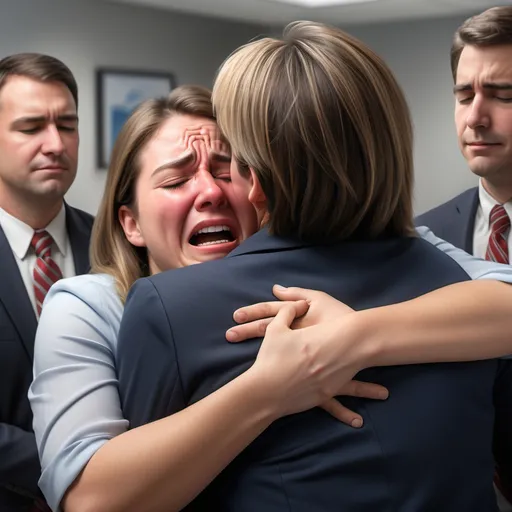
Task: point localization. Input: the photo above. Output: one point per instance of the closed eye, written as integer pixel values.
(465, 100)
(36, 129)
(31, 131)
(175, 185)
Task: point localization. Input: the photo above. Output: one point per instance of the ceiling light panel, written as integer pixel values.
(312, 4)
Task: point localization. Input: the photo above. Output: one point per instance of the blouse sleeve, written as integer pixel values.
(74, 395)
(475, 267)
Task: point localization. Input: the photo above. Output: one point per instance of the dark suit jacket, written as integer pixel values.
(428, 448)
(19, 461)
(454, 221)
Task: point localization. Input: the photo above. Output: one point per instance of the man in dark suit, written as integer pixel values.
(478, 220)
(41, 240)
(333, 191)
(454, 221)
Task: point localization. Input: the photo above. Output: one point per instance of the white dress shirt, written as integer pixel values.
(19, 235)
(482, 229)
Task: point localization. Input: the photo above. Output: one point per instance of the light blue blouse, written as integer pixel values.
(74, 395)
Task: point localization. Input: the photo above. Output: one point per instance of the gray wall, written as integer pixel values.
(88, 33)
(418, 53)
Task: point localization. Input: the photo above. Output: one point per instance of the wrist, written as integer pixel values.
(264, 397)
(365, 329)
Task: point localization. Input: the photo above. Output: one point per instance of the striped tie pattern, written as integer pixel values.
(497, 250)
(46, 271)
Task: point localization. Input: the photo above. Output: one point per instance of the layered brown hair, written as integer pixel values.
(37, 66)
(325, 127)
(493, 27)
(110, 252)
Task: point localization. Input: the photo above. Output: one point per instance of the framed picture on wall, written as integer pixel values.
(118, 92)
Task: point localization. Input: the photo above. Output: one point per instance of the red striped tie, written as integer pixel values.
(46, 271)
(497, 250)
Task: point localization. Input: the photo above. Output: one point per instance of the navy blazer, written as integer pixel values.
(454, 221)
(427, 448)
(19, 461)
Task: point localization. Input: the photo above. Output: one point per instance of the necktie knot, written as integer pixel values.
(42, 243)
(499, 220)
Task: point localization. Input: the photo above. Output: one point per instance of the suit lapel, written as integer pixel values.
(466, 210)
(79, 234)
(14, 297)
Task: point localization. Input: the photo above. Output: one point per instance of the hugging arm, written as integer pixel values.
(465, 321)
(74, 394)
(171, 454)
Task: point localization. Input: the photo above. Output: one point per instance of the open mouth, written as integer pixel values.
(212, 235)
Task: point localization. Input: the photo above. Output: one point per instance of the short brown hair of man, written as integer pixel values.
(324, 125)
(38, 66)
(110, 252)
(492, 27)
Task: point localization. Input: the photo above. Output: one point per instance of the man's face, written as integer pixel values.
(38, 138)
(483, 111)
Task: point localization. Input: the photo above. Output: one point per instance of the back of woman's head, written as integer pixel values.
(110, 251)
(324, 125)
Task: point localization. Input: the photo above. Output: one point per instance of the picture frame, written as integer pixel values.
(118, 92)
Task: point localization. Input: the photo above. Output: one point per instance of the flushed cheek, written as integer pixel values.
(171, 229)
(243, 210)
(170, 226)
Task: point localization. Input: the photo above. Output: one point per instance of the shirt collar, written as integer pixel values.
(19, 235)
(487, 202)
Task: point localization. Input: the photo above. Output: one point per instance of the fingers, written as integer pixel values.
(283, 320)
(266, 310)
(258, 316)
(341, 413)
(294, 293)
(286, 314)
(361, 389)
(243, 332)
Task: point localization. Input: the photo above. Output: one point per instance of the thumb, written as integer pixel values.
(283, 320)
(292, 294)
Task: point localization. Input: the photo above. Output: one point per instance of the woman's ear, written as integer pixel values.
(130, 226)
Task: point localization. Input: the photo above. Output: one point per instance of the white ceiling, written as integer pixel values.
(281, 11)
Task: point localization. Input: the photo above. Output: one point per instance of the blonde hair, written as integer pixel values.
(323, 123)
(110, 251)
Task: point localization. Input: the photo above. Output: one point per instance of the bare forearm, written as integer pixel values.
(162, 466)
(463, 322)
